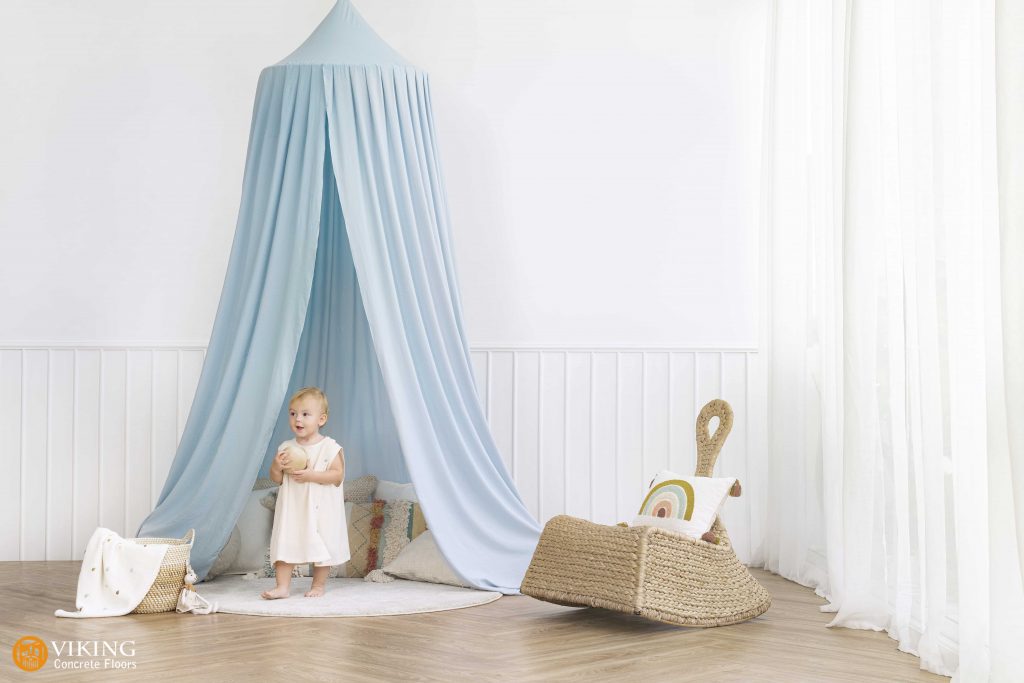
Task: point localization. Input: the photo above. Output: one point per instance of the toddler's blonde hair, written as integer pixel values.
(313, 392)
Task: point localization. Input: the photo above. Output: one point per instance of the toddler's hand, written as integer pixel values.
(283, 460)
(301, 476)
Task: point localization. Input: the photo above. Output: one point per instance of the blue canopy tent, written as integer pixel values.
(341, 276)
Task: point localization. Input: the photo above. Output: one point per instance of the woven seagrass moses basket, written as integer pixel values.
(163, 594)
(648, 571)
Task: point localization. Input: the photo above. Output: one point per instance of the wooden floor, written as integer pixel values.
(512, 639)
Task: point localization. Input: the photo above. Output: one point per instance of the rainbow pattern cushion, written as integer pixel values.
(687, 505)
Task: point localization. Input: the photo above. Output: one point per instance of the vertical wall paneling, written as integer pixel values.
(733, 459)
(514, 409)
(10, 447)
(165, 418)
(526, 427)
(756, 450)
(540, 432)
(709, 377)
(502, 405)
(139, 475)
(115, 417)
(60, 473)
(605, 438)
(100, 480)
(152, 431)
(578, 453)
(85, 481)
(88, 432)
(656, 411)
(682, 398)
(34, 453)
(631, 442)
(551, 416)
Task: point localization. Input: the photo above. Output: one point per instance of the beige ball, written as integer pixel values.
(298, 456)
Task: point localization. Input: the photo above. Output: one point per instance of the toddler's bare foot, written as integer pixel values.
(274, 594)
(315, 591)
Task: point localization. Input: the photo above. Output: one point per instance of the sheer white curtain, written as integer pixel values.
(893, 321)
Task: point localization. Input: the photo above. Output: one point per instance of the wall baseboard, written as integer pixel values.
(88, 430)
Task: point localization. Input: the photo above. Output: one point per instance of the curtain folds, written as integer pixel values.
(336, 353)
(894, 458)
(382, 142)
(259, 319)
(1006, 473)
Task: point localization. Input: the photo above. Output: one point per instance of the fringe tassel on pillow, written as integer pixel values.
(378, 576)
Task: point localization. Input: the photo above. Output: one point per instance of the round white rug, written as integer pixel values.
(344, 597)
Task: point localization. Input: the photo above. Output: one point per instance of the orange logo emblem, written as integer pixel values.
(29, 653)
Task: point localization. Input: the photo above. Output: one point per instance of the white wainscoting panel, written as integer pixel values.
(87, 436)
(583, 430)
(88, 432)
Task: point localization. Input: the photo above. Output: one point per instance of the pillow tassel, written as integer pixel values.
(378, 576)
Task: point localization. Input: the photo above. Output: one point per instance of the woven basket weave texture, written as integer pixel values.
(163, 594)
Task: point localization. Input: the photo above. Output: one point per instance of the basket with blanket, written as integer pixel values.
(136, 576)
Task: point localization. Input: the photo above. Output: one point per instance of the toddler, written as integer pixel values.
(309, 520)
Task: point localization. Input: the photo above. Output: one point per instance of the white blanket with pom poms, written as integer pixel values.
(116, 574)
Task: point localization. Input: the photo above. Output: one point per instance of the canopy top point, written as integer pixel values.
(345, 38)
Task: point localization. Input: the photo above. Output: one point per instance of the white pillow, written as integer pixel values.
(389, 490)
(687, 505)
(422, 560)
(254, 527)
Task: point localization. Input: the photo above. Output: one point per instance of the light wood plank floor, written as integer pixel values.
(512, 639)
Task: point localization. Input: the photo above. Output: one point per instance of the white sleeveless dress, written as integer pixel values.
(309, 519)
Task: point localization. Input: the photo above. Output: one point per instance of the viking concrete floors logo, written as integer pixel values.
(31, 654)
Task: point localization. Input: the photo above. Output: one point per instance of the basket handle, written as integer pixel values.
(189, 537)
(710, 445)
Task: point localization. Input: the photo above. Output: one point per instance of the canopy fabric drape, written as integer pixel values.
(336, 352)
(341, 276)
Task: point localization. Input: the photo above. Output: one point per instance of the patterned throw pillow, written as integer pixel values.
(377, 532)
(687, 505)
(360, 490)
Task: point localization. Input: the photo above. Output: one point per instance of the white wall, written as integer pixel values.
(601, 160)
(124, 126)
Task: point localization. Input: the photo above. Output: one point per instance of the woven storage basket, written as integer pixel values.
(163, 594)
(649, 571)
